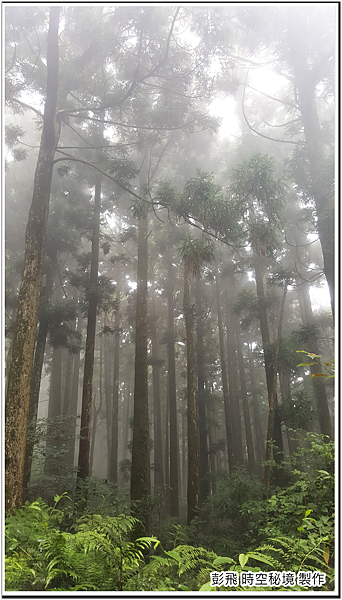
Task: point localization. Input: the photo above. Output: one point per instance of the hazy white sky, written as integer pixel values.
(263, 79)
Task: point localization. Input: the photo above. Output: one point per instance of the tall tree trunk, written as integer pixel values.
(245, 406)
(96, 410)
(115, 406)
(268, 357)
(72, 411)
(140, 446)
(157, 425)
(202, 425)
(167, 449)
(193, 483)
(271, 416)
(233, 393)
(224, 376)
(212, 452)
(127, 413)
(312, 345)
(174, 450)
(258, 434)
(286, 397)
(20, 371)
(306, 79)
(107, 391)
(87, 391)
(37, 370)
(54, 426)
(184, 449)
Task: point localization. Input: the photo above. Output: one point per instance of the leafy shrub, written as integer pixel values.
(99, 556)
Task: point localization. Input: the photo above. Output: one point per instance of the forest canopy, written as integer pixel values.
(169, 297)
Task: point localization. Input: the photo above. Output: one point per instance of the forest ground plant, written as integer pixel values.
(48, 549)
(98, 556)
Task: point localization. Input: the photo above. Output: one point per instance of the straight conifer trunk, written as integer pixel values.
(245, 405)
(258, 435)
(157, 425)
(113, 472)
(269, 360)
(140, 443)
(72, 409)
(107, 390)
(193, 483)
(306, 79)
(53, 441)
(202, 425)
(312, 345)
(87, 390)
(37, 372)
(234, 400)
(271, 415)
(174, 451)
(20, 371)
(224, 376)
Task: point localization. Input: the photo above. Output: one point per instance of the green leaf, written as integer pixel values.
(161, 559)
(174, 554)
(243, 558)
(319, 375)
(147, 541)
(307, 364)
(308, 512)
(220, 560)
(260, 558)
(184, 588)
(207, 588)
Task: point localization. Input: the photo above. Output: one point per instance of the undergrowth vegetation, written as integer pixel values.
(54, 548)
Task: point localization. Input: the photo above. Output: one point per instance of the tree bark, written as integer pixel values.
(107, 390)
(258, 434)
(37, 371)
(245, 406)
(193, 483)
(312, 345)
(233, 394)
(268, 357)
(20, 372)
(174, 450)
(271, 415)
(53, 436)
(113, 476)
(307, 78)
(157, 423)
(224, 376)
(202, 425)
(140, 446)
(87, 390)
(72, 411)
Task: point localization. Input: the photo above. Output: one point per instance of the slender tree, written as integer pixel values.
(140, 446)
(113, 456)
(194, 253)
(19, 377)
(87, 391)
(202, 424)
(174, 452)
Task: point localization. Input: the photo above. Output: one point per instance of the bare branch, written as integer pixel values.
(130, 126)
(92, 166)
(28, 106)
(258, 132)
(282, 124)
(271, 97)
(300, 245)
